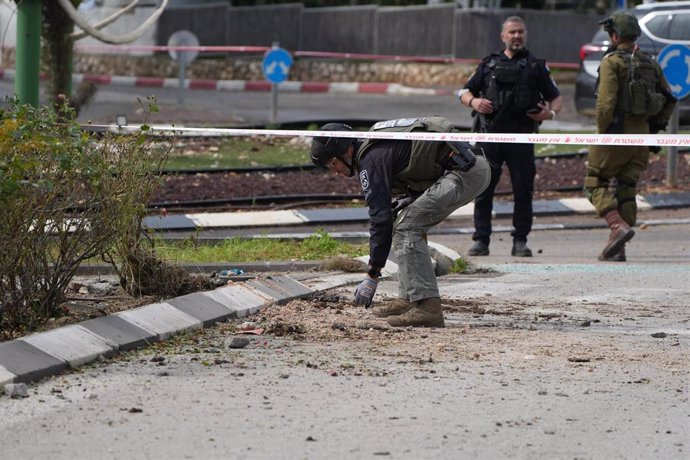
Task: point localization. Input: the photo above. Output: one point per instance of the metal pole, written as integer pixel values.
(180, 92)
(274, 103)
(672, 153)
(28, 58)
(274, 93)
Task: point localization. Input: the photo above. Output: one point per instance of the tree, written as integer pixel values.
(57, 30)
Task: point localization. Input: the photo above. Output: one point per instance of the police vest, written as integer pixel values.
(512, 84)
(639, 95)
(428, 159)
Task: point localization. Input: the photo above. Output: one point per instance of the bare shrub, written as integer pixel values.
(67, 196)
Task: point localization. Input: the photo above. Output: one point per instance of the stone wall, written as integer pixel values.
(249, 68)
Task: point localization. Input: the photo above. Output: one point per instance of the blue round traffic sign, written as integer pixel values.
(675, 62)
(276, 65)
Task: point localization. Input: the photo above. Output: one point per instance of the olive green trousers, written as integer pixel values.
(416, 277)
(625, 165)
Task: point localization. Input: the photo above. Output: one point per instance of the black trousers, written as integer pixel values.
(519, 158)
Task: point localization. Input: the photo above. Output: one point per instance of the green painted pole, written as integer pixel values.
(28, 58)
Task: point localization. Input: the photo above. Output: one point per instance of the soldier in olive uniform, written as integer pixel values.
(633, 97)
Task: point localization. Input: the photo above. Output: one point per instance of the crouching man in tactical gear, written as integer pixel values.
(428, 180)
(633, 97)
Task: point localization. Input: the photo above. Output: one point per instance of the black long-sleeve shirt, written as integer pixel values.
(377, 169)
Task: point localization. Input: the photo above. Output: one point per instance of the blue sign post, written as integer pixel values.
(276, 67)
(674, 60)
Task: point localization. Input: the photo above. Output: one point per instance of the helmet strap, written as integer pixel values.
(350, 165)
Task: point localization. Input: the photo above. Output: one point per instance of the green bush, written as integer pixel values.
(66, 196)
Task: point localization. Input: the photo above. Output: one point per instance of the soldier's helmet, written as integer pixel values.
(623, 23)
(325, 148)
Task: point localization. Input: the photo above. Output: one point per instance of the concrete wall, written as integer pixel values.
(263, 25)
(339, 29)
(478, 32)
(434, 30)
(416, 31)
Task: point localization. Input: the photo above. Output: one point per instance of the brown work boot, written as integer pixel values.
(618, 257)
(424, 313)
(396, 307)
(621, 233)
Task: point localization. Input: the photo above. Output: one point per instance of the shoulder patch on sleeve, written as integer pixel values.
(364, 180)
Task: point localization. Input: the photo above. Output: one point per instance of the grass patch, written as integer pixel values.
(237, 152)
(460, 265)
(318, 246)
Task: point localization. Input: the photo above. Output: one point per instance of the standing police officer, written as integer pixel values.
(510, 92)
(430, 180)
(633, 97)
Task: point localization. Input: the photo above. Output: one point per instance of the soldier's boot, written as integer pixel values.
(621, 233)
(618, 257)
(394, 308)
(424, 313)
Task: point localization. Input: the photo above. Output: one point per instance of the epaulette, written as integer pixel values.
(491, 56)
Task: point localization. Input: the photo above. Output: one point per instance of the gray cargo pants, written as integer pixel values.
(416, 277)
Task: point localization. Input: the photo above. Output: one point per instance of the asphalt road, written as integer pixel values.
(232, 109)
(559, 356)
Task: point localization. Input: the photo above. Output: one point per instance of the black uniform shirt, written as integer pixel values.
(479, 81)
(381, 163)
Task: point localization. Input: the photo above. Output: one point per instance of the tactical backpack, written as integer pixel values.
(640, 96)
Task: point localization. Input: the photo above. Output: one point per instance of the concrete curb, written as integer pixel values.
(49, 353)
(250, 85)
(563, 206)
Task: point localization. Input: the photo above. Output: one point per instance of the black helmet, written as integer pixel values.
(325, 148)
(624, 23)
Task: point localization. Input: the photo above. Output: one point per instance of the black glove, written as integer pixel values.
(364, 294)
(400, 204)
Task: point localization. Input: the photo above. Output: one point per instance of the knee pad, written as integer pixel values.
(592, 183)
(625, 191)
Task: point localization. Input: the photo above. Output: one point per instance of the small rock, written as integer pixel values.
(17, 390)
(212, 350)
(247, 326)
(659, 335)
(236, 342)
(586, 324)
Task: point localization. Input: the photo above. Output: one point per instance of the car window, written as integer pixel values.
(680, 27)
(667, 26)
(659, 26)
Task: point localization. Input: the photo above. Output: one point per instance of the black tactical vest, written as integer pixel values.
(511, 86)
(428, 159)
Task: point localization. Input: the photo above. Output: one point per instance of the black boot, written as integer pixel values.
(520, 249)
